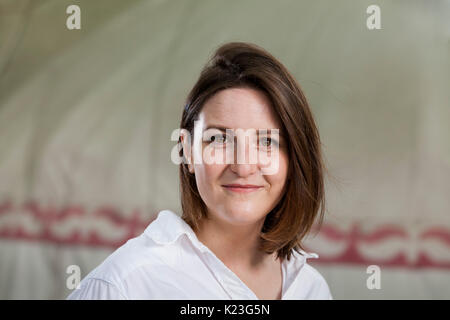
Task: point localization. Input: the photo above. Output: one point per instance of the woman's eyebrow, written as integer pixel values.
(218, 127)
(224, 129)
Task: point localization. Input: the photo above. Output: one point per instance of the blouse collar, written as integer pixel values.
(168, 227)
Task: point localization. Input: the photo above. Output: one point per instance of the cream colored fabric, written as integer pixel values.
(86, 117)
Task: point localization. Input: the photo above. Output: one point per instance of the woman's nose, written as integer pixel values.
(245, 158)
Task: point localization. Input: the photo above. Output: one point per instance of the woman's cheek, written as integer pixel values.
(207, 177)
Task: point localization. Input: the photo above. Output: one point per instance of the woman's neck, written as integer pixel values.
(236, 246)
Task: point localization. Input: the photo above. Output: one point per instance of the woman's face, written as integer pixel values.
(243, 109)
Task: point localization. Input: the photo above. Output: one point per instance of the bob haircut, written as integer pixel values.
(246, 65)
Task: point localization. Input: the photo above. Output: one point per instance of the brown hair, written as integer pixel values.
(240, 64)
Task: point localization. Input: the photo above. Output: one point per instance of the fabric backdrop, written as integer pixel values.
(86, 118)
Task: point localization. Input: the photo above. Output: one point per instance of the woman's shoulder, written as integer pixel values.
(137, 253)
(317, 286)
(141, 259)
(106, 280)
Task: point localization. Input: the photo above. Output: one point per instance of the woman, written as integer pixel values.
(243, 221)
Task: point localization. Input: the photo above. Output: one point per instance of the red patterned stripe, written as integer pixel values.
(132, 224)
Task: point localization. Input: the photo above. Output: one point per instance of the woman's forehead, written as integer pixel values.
(239, 108)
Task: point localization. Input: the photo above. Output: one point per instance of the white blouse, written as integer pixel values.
(168, 262)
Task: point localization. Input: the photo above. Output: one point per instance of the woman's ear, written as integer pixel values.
(186, 144)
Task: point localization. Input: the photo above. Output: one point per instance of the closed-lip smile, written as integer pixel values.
(242, 187)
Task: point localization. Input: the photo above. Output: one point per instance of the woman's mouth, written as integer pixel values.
(242, 188)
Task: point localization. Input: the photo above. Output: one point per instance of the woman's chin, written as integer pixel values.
(244, 216)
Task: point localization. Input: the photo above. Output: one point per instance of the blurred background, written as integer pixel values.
(86, 118)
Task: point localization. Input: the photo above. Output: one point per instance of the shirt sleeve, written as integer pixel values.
(325, 293)
(96, 289)
(317, 285)
(322, 291)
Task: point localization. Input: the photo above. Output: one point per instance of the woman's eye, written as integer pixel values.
(218, 138)
(267, 142)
